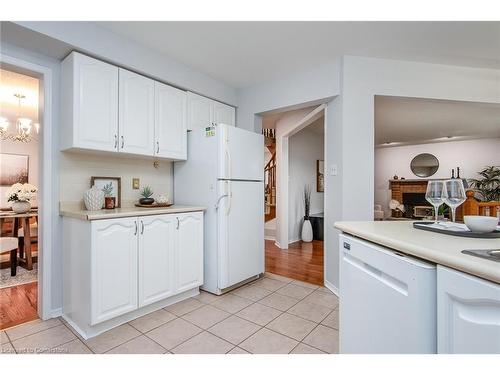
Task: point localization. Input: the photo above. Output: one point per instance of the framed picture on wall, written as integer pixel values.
(13, 169)
(320, 176)
(112, 187)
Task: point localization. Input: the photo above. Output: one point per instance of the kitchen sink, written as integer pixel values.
(491, 254)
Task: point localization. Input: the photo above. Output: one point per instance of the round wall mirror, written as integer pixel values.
(424, 165)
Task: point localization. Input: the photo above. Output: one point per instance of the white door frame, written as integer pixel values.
(45, 204)
(282, 143)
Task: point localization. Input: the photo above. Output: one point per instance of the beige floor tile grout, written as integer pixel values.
(31, 334)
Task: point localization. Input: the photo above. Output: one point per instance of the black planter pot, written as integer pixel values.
(146, 200)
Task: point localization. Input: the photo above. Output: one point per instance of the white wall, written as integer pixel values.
(305, 148)
(287, 122)
(76, 170)
(311, 87)
(471, 156)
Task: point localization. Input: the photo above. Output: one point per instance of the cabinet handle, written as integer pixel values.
(116, 141)
(135, 233)
(142, 227)
(123, 141)
(178, 223)
(157, 147)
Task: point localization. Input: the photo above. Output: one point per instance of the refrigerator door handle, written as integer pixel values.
(218, 200)
(229, 194)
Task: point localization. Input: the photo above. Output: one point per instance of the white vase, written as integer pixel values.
(307, 231)
(93, 199)
(21, 207)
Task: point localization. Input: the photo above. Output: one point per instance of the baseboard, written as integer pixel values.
(332, 288)
(55, 313)
(270, 238)
(293, 240)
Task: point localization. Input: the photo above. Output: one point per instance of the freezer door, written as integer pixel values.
(240, 154)
(240, 219)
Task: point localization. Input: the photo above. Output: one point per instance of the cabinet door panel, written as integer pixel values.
(189, 251)
(170, 122)
(95, 104)
(136, 114)
(468, 314)
(223, 114)
(199, 111)
(156, 257)
(114, 268)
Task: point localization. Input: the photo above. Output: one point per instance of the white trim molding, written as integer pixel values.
(45, 204)
(332, 288)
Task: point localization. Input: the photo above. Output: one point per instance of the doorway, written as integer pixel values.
(297, 139)
(20, 118)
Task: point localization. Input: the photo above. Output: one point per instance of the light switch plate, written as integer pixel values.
(135, 183)
(334, 170)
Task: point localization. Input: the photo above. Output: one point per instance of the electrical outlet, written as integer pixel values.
(135, 183)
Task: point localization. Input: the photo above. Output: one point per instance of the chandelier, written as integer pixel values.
(24, 126)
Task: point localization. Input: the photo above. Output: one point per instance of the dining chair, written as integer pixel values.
(10, 244)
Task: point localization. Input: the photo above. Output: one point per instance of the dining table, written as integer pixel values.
(21, 221)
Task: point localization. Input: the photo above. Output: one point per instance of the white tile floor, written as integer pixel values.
(272, 315)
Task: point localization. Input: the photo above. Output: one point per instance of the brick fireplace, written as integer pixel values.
(404, 189)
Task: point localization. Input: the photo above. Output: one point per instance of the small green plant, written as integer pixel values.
(489, 185)
(443, 210)
(108, 189)
(146, 192)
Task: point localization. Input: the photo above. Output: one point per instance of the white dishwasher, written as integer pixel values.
(387, 300)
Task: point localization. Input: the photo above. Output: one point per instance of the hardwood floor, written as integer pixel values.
(302, 261)
(18, 304)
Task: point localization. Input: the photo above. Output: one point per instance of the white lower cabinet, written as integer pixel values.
(468, 313)
(156, 258)
(113, 268)
(116, 270)
(189, 251)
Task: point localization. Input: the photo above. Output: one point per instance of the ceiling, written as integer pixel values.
(12, 83)
(401, 120)
(244, 54)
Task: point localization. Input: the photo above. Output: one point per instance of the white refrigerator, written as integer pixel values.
(224, 172)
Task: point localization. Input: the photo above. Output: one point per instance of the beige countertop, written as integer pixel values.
(437, 248)
(76, 212)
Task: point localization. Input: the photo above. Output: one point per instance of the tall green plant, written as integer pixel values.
(307, 201)
(489, 185)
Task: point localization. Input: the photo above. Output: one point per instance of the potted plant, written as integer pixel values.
(146, 194)
(488, 186)
(109, 200)
(307, 233)
(20, 195)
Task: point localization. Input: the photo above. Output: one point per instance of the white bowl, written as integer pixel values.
(481, 224)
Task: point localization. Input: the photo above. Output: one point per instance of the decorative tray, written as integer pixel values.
(454, 229)
(154, 205)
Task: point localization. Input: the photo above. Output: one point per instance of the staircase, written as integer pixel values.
(270, 175)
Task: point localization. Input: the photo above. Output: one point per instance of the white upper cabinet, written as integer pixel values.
(468, 313)
(114, 268)
(204, 112)
(199, 111)
(189, 251)
(156, 257)
(136, 113)
(89, 110)
(170, 122)
(223, 114)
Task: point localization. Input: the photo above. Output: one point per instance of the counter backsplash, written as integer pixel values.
(76, 170)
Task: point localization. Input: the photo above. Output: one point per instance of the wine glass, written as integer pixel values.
(435, 195)
(454, 195)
